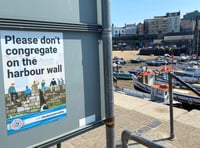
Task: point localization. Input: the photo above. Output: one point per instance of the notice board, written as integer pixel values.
(51, 72)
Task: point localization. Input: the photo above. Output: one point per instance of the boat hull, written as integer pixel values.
(123, 76)
(189, 100)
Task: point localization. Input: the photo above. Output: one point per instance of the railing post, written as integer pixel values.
(171, 106)
(126, 135)
(108, 74)
(59, 145)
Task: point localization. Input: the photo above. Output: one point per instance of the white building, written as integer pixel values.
(127, 30)
(173, 21)
(163, 24)
(119, 31)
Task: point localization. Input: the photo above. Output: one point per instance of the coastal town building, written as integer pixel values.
(127, 30)
(191, 15)
(163, 24)
(169, 23)
(173, 22)
(189, 21)
(140, 29)
(118, 31)
(187, 25)
(160, 31)
(158, 25)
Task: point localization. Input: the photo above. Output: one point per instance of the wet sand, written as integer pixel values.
(127, 56)
(133, 54)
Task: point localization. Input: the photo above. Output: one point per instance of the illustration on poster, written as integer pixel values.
(30, 60)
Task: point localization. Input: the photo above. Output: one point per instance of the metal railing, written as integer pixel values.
(185, 84)
(128, 135)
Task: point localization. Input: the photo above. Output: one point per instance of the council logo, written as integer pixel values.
(16, 124)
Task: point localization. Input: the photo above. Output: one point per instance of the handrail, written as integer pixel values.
(186, 84)
(128, 135)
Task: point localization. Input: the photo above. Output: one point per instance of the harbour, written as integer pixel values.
(127, 56)
(181, 95)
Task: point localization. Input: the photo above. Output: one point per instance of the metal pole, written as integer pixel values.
(197, 36)
(59, 145)
(197, 43)
(128, 135)
(108, 74)
(171, 106)
(185, 84)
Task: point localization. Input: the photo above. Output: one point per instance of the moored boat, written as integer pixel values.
(189, 74)
(160, 93)
(138, 70)
(124, 76)
(145, 81)
(153, 63)
(137, 60)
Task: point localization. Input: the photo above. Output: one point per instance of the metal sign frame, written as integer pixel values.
(85, 74)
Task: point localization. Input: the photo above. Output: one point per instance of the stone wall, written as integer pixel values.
(35, 102)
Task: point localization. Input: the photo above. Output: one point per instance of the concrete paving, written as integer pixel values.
(149, 120)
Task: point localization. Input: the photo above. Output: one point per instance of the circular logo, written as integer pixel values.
(16, 124)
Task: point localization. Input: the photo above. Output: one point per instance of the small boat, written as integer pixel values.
(192, 71)
(124, 76)
(138, 70)
(135, 71)
(153, 63)
(160, 94)
(119, 60)
(137, 60)
(162, 74)
(189, 74)
(162, 60)
(116, 67)
(146, 80)
(183, 58)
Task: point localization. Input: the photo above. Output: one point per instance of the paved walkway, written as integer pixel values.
(148, 119)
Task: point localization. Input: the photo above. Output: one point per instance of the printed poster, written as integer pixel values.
(34, 78)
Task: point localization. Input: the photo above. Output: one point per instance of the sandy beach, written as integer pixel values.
(127, 56)
(132, 54)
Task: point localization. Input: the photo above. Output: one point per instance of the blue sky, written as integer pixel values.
(135, 11)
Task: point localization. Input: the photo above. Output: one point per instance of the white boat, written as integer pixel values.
(146, 80)
(193, 71)
(190, 74)
(160, 93)
(163, 77)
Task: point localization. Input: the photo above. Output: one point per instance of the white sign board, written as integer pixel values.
(34, 78)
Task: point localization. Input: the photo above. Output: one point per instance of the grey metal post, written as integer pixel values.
(171, 106)
(59, 145)
(108, 78)
(128, 135)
